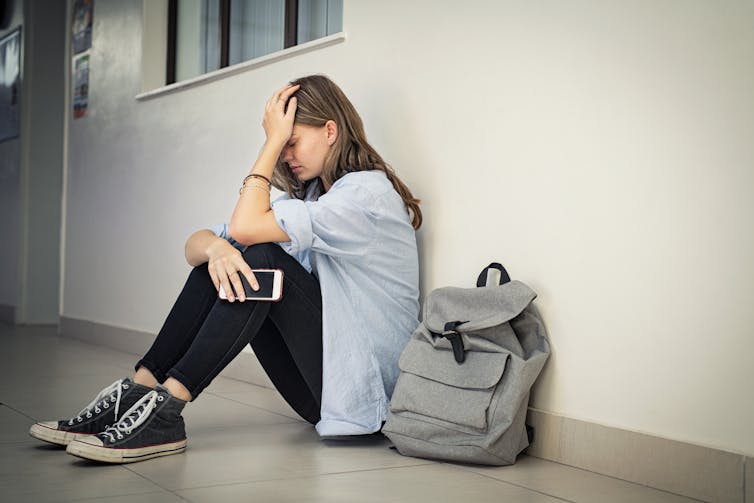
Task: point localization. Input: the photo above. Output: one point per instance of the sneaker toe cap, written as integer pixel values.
(92, 440)
(53, 425)
(44, 428)
(49, 431)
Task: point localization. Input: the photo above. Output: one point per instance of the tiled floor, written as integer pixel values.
(245, 444)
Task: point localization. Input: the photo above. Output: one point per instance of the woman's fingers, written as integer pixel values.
(226, 265)
(225, 283)
(290, 113)
(230, 278)
(277, 121)
(235, 281)
(244, 269)
(219, 276)
(280, 96)
(287, 92)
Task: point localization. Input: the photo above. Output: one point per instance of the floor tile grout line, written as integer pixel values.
(256, 407)
(5, 404)
(538, 491)
(303, 477)
(612, 477)
(110, 496)
(21, 442)
(154, 482)
(470, 469)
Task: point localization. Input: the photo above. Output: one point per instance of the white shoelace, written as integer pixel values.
(108, 395)
(134, 416)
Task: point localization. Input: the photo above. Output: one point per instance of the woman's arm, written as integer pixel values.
(197, 245)
(253, 220)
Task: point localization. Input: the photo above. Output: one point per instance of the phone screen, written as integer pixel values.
(270, 285)
(265, 280)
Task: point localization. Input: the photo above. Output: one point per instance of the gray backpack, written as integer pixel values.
(466, 372)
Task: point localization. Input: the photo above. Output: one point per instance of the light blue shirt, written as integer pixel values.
(358, 240)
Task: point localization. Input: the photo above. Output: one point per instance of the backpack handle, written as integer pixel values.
(487, 275)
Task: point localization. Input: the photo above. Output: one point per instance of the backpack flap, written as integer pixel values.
(483, 372)
(434, 387)
(478, 308)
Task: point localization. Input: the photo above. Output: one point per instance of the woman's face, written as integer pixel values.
(306, 151)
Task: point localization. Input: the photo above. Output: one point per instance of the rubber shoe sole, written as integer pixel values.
(48, 431)
(92, 448)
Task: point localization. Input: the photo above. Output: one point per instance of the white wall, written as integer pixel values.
(601, 150)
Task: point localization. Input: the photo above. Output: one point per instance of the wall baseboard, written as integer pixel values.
(121, 339)
(689, 470)
(7, 314)
(698, 472)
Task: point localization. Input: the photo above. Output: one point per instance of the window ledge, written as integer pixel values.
(243, 67)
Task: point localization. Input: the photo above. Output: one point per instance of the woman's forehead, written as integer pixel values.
(302, 129)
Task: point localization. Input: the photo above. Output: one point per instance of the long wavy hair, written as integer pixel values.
(319, 100)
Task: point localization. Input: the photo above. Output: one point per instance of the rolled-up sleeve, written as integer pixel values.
(338, 224)
(221, 231)
(292, 216)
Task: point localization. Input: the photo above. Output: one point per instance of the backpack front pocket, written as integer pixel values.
(434, 385)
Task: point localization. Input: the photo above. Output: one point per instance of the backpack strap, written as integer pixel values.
(485, 274)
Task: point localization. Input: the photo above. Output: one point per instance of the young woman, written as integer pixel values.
(344, 235)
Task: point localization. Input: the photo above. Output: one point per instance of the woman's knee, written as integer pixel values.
(200, 270)
(262, 255)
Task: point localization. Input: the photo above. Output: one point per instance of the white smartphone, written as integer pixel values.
(270, 285)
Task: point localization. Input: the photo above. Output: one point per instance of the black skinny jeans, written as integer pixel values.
(202, 333)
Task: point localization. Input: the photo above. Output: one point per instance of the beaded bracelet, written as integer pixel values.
(256, 175)
(253, 185)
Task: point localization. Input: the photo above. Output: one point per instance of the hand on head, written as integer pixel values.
(278, 121)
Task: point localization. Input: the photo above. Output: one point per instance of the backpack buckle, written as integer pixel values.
(455, 339)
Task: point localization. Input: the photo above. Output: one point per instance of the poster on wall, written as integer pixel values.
(10, 84)
(82, 25)
(80, 86)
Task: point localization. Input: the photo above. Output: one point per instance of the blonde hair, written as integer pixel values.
(319, 100)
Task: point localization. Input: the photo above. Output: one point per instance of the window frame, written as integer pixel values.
(290, 33)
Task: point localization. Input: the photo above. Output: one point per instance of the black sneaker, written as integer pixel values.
(106, 408)
(152, 427)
